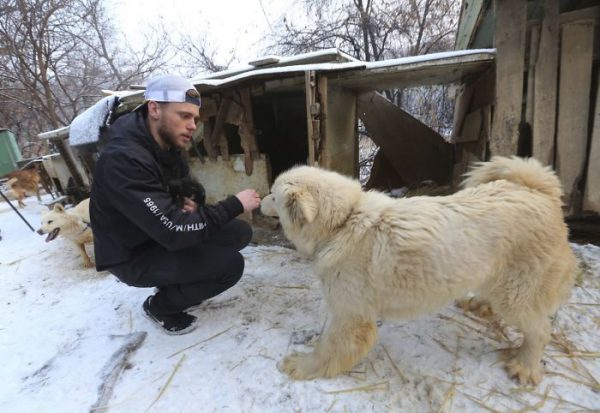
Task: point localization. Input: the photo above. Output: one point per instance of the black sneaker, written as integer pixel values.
(172, 324)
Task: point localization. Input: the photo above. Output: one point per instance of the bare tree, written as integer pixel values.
(370, 30)
(196, 54)
(58, 56)
(373, 30)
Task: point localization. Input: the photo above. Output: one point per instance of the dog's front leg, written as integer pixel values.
(345, 342)
(87, 263)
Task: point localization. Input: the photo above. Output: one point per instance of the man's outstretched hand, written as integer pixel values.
(249, 199)
(189, 205)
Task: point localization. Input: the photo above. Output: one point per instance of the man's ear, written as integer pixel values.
(58, 208)
(301, 206)
(153, 109)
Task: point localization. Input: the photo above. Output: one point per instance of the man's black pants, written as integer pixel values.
(189, 276)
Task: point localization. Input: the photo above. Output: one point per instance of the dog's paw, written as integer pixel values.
(299, 366)
(480, 308)
(525, 374)
(88, 264)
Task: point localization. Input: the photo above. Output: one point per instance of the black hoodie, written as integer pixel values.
(130, 203)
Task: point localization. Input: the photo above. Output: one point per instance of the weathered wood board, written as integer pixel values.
(544, 92)
(573, 109)
(510, 36)
(591, 198)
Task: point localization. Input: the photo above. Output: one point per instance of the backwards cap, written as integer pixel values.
(170, 88)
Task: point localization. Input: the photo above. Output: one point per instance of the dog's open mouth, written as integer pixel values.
(53, 234)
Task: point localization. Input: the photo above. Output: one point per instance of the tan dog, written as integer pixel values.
(24, 181)
(503, 237)
(73, 224)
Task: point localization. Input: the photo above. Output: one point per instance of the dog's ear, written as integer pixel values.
(58, 208)
(301, 206)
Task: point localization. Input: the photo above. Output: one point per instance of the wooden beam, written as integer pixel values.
(339, 144)
(418, 72)
(509, 39)
(573, 109)
(416, 152)
(545, 86)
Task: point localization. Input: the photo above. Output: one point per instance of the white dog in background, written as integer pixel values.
(503, 237)
(73, 224)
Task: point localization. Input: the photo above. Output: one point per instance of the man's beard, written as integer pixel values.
(167, 136)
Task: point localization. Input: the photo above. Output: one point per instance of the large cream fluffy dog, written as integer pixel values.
(503, 237)
(73, 224)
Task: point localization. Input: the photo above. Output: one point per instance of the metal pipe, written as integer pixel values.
(15, 209)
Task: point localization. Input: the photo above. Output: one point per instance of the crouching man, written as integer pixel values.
(146, 232)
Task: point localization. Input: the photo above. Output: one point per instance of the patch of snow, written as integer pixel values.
(62, 324)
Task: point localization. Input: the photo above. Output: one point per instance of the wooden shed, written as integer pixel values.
(542, 98)
(276, 112)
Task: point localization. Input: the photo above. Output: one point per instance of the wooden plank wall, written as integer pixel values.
(553, 110)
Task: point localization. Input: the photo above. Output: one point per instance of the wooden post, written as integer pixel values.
(545, 86)
(573, 108)
(337, 149)
(246, 132)
(309, 88)
(323, 125)
(511, 18)
(218, 134)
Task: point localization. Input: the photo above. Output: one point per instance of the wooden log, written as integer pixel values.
(544, 89)
(591, 198)
(511, 19)
(573, 109)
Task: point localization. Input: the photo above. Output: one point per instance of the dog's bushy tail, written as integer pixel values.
(528, 172)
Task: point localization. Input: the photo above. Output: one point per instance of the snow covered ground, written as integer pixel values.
(65, 328)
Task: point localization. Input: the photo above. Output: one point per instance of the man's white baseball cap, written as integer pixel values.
(170, 88)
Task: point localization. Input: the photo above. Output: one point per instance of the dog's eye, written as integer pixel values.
(50, 222)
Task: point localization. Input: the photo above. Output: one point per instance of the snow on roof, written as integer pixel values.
(322, 61)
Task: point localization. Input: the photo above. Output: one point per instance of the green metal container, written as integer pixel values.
(9, 152)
